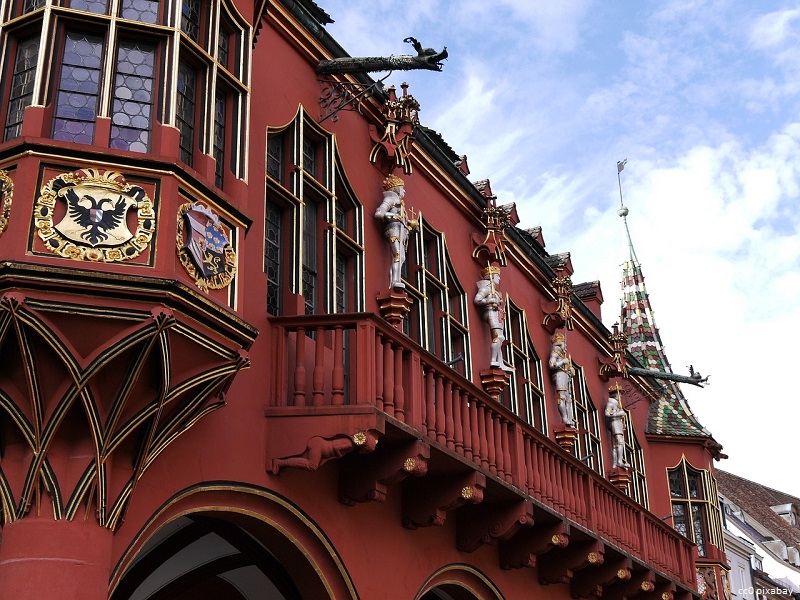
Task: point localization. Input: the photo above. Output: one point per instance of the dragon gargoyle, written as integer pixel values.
(426, 58)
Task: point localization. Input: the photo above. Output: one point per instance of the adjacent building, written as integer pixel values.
(262, 337)
(763, 526)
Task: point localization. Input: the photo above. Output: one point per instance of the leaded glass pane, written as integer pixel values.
(223, 47)
(341, 284)
(310, 257)
(79, 88)
(698, 523)
(31, 5)
(272, 256)
(99, 7)
(22, 82)
(187, 81)
(695, 485)
(679, 519)
(144, 11)
(133, 96)
(219, 139)
(676, 487)
(310, 157)
(190, 18)
(275, 157)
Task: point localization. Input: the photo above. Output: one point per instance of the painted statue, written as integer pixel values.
(490, 300)
(392, 212)
(562, 373)
(615, 417)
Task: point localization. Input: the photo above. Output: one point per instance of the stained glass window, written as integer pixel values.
(133, 96)
(78, 88)
(21, 86)
(144, 11)
(187, 81)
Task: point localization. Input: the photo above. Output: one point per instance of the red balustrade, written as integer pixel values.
(390, 371)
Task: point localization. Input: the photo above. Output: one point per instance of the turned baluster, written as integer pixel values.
(379, 371)
(482, 434)
(337, 376)
(490, 441)
(300, 369)
(388, 376)
(399, 390)
(466, 434)
(440, 435)
(500, 457)
(476, 433)
(448, 414)
(430, 403)
(506, 450)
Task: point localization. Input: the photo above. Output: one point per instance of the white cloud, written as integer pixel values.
(702, 97)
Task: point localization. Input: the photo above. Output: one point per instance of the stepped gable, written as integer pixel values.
(756, 500)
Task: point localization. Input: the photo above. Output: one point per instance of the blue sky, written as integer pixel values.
(703, 99)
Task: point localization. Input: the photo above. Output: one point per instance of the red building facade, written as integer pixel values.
(209, 389)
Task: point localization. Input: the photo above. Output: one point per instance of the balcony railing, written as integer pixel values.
(358, 359)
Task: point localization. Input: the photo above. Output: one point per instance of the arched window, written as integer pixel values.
(313, 227)
(438, 317)
(695, 506)
(635, 456)
(589, 447)
(525, 392)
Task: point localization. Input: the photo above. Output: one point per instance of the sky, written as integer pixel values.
(703, 99)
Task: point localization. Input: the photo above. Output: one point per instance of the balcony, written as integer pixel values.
(351, 380)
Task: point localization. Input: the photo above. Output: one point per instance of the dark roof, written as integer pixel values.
(558, 261)
(755, 500)
(586, 289)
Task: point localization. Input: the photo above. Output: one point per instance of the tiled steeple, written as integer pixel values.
(670, 415)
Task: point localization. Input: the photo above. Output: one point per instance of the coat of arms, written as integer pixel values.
(204, 248)
(7, 193)
(85, 216)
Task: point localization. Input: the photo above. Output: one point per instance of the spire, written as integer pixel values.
(670, 414)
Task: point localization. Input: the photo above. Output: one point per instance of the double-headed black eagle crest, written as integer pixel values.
(99, 217)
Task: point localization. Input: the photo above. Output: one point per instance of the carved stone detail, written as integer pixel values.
(394, 306)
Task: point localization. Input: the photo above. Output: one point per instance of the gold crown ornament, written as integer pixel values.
(392, 181)
(615, 388)
(558, 337)
(490, 270)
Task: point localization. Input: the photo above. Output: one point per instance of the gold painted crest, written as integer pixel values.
(94, 223)
(7, 191)
(204, 248)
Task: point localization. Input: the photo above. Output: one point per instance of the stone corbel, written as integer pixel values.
(494, 380)
(367, 478)
(427, 500)
(523, 549)
(591, 582)
(560, 567)
(490, 523)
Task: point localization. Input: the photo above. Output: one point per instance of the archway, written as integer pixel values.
(238, 543)
(459, 582)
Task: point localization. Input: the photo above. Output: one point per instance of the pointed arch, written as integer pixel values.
(695, 505)
(526, 390)
(439, 317)
(313, 229)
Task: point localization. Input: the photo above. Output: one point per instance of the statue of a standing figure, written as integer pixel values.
(615, 417)
(392, 212)
(490, 300)
(562, 373)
